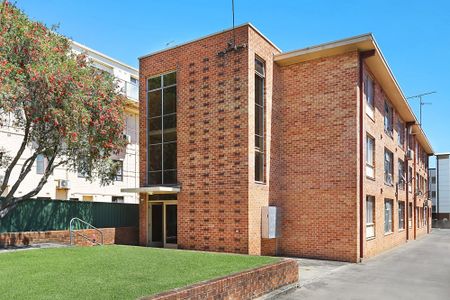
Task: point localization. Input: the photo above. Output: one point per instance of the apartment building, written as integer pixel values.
(246, 149)
(66, 185)
(440, 187)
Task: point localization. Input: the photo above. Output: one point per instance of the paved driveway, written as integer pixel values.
(418, 270)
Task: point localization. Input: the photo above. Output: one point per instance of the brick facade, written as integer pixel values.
(312, 151)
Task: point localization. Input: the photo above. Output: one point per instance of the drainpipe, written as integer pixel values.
(408, 177)
(362, 57)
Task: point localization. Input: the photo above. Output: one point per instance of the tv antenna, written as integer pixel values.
(231, 46)
(419, 96)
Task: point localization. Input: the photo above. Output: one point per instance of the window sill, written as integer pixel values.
(370, 177)
(370, 114)
(388, 233)
(389, 134)
(389, 184)
(370, 238)
(260, 182)
(401, 230)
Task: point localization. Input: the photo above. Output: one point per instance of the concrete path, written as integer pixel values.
(31, 247)
(418, 270)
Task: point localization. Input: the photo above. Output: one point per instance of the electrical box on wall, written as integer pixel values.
(270, 220)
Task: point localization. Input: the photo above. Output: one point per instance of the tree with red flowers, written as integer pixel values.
(65, 109)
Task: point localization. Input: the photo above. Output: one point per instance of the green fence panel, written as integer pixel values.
(44, 215)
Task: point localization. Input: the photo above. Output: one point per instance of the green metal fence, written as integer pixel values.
(44, 215)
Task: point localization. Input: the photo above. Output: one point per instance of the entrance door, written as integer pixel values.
(163, 224)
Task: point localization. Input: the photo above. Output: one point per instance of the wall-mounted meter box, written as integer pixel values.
(270, 222)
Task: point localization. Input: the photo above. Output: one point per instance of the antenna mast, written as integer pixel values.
(421, 103)
(234, 34)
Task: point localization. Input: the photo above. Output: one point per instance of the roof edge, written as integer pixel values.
(210, 35)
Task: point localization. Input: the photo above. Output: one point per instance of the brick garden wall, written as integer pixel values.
(120, 235)
(245, 285)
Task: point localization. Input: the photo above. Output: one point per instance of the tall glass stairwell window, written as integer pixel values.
(259, 121)
(162, 129)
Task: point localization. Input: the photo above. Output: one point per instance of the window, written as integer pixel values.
(119, 174)
(370, 217)
(133, 80)
(162, 129)
(370, 157)
(388, 216)
(117, 199)
(401, 215)
(417, 218)
(400, 133)
(410, 178)
(369, 95)
(41, 164)
(433, 180)
(388, 167)
(425, 212)
(388, 118)
(410, 210)
(433, 194)
(401, 175)
(259, 121)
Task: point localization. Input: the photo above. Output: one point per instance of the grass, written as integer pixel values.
(111, 272)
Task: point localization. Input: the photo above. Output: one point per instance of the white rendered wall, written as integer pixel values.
(443, 167)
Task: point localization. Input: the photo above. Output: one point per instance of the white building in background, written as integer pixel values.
(440, 186)
(66, 185)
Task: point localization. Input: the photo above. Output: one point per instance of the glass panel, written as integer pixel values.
(154, 83)
(259, 120)
(170, 128)
(170, 177)
(170, 100)
(157, 223)
(154, 104)
(170, 156)
(154, 178)
(259, 90)
(155, 132)
(154, 155)
(171, 224)
(170, 79)
(259, 142)
(259, 67)
(259, 166)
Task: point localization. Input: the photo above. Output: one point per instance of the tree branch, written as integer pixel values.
(19, 153)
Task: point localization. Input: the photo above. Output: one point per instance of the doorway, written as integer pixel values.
(162, 224)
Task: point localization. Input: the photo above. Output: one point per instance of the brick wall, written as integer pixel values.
(212, 129)
(317, 158)
(120, 235)
(245, 285)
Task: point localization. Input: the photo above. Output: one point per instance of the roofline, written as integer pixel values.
(442, 154)
(324, 46)
(104, 56)
(210, 35)
(361, 42)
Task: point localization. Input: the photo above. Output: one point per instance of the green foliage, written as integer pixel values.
(68, 110)
(112, 272)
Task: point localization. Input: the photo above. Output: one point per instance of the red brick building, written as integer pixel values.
(230, 125)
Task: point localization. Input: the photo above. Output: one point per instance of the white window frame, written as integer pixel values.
(388, 212)
(370, 157)
(370, 217)
(369, 95)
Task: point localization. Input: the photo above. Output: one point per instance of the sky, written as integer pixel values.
(413, 35)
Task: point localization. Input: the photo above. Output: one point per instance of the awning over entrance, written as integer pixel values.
(153, 190)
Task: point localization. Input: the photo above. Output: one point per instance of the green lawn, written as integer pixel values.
(111, 272)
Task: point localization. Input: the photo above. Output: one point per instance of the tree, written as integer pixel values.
(67, 110)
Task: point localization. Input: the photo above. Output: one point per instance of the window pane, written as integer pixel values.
(154, 103)
(259, 67)
(259, 120)
(170, 100)
(259, 90)
(170, 79)
(155, 132)
(259, 143)
(259, 166)
(170, 128)
(155, 177)
(170, 177)
(170, 156)
(154, 83)
(154, 157)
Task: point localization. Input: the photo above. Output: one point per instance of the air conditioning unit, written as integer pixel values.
(410, 154)
(127, 137)
(63, 184)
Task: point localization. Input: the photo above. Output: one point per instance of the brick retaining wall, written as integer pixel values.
(120, 235)
(244, 285)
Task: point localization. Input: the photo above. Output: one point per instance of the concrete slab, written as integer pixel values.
(418, 270)
(31, 247)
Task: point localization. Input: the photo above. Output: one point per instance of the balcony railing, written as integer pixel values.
(127, 88)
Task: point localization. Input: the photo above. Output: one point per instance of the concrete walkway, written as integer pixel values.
(31, 247)
(418, 270)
